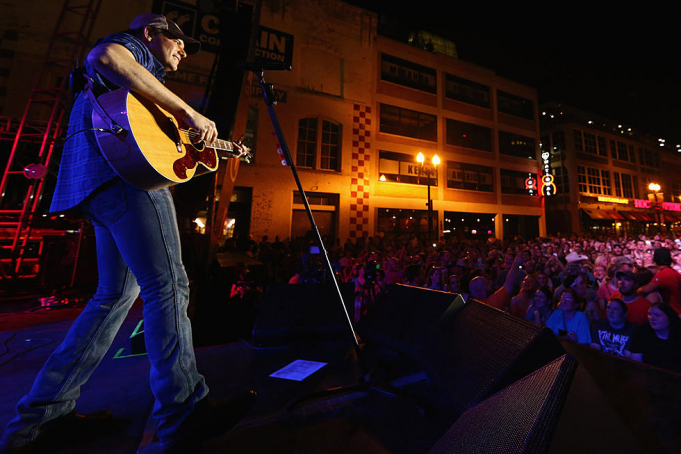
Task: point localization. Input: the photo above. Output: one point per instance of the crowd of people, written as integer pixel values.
(619, 295)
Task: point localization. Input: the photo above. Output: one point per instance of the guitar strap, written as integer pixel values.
(88, 90)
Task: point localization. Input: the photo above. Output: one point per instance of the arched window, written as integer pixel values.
(319, 147)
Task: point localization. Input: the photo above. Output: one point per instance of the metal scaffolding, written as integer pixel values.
(36, 137)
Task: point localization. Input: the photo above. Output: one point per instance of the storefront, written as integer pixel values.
(405, 223)
(459, 225)
(616, 216)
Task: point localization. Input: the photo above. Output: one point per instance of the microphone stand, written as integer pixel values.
(363, 386)
(271, 101)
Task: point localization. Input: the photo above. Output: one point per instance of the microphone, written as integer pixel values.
(268, 66)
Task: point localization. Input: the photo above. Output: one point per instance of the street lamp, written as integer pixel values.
(421, 159)
(655, 197)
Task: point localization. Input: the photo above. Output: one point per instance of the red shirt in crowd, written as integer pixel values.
(669, 282)
(637, 310)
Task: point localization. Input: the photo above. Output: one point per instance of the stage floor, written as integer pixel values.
(612, 402)
(353, 422)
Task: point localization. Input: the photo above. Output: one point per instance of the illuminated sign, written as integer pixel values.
(548, 187)
(602, 198)
(531, 185)
(669, 206)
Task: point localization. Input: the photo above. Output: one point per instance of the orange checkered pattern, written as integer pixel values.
(359, 184)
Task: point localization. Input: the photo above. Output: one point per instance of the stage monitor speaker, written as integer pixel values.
(618, 405)
(407, 314)
(519, 419)
(478, 350)
(303, 312)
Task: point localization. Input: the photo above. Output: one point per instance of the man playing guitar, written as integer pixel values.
(138, 251)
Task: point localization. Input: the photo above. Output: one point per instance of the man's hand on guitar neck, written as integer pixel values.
(205, 128)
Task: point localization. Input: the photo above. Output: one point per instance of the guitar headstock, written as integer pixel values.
(242, 151)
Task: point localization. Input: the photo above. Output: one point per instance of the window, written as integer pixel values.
(593, 181)
(461, 175)
(591, 143)
(403, 168)
(468, 135)
(622, 151)
(648, 159)
(467, 91)
(626, 185)
(318, 149)
(324, 208)
(395, 223)
(409, 74)
(409, 123)
(515, 105)
(516, 145)
(514, 182)
(561, 179)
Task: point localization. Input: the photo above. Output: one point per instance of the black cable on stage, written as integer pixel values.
(4, 344)
(25, 351)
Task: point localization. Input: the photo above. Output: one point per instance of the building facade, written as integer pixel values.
(358, 108)
(603, 171)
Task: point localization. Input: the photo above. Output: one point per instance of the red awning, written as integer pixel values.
(629, 215)
(604, 214)
(614, 215)
(637, 216)
(594, 214)
(671, 217)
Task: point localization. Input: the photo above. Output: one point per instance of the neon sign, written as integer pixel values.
(531, 185)
(548, 187)
(669, 206)
(603, 198)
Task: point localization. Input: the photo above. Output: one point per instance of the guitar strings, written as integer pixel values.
(193, 134)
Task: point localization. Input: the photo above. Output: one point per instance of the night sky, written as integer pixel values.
(626, 68)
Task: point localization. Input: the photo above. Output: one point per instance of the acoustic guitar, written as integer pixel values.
(152, 151)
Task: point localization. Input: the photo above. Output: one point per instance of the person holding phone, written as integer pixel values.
(567, 322)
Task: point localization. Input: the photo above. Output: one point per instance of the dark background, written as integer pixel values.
(623, 67)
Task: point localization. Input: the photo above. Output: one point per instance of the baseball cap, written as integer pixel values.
(628, 274)
(191, 46)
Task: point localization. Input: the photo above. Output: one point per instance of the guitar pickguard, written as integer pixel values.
(192, 159)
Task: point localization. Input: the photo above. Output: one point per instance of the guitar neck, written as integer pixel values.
(225, 146)
(222, 145)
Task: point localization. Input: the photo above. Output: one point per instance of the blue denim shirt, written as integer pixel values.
(83, 167)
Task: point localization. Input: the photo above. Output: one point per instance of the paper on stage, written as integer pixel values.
(298, 370)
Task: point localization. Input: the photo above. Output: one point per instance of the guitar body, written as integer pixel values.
(151, 152)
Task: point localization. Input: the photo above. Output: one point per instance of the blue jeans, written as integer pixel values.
(138, 251)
